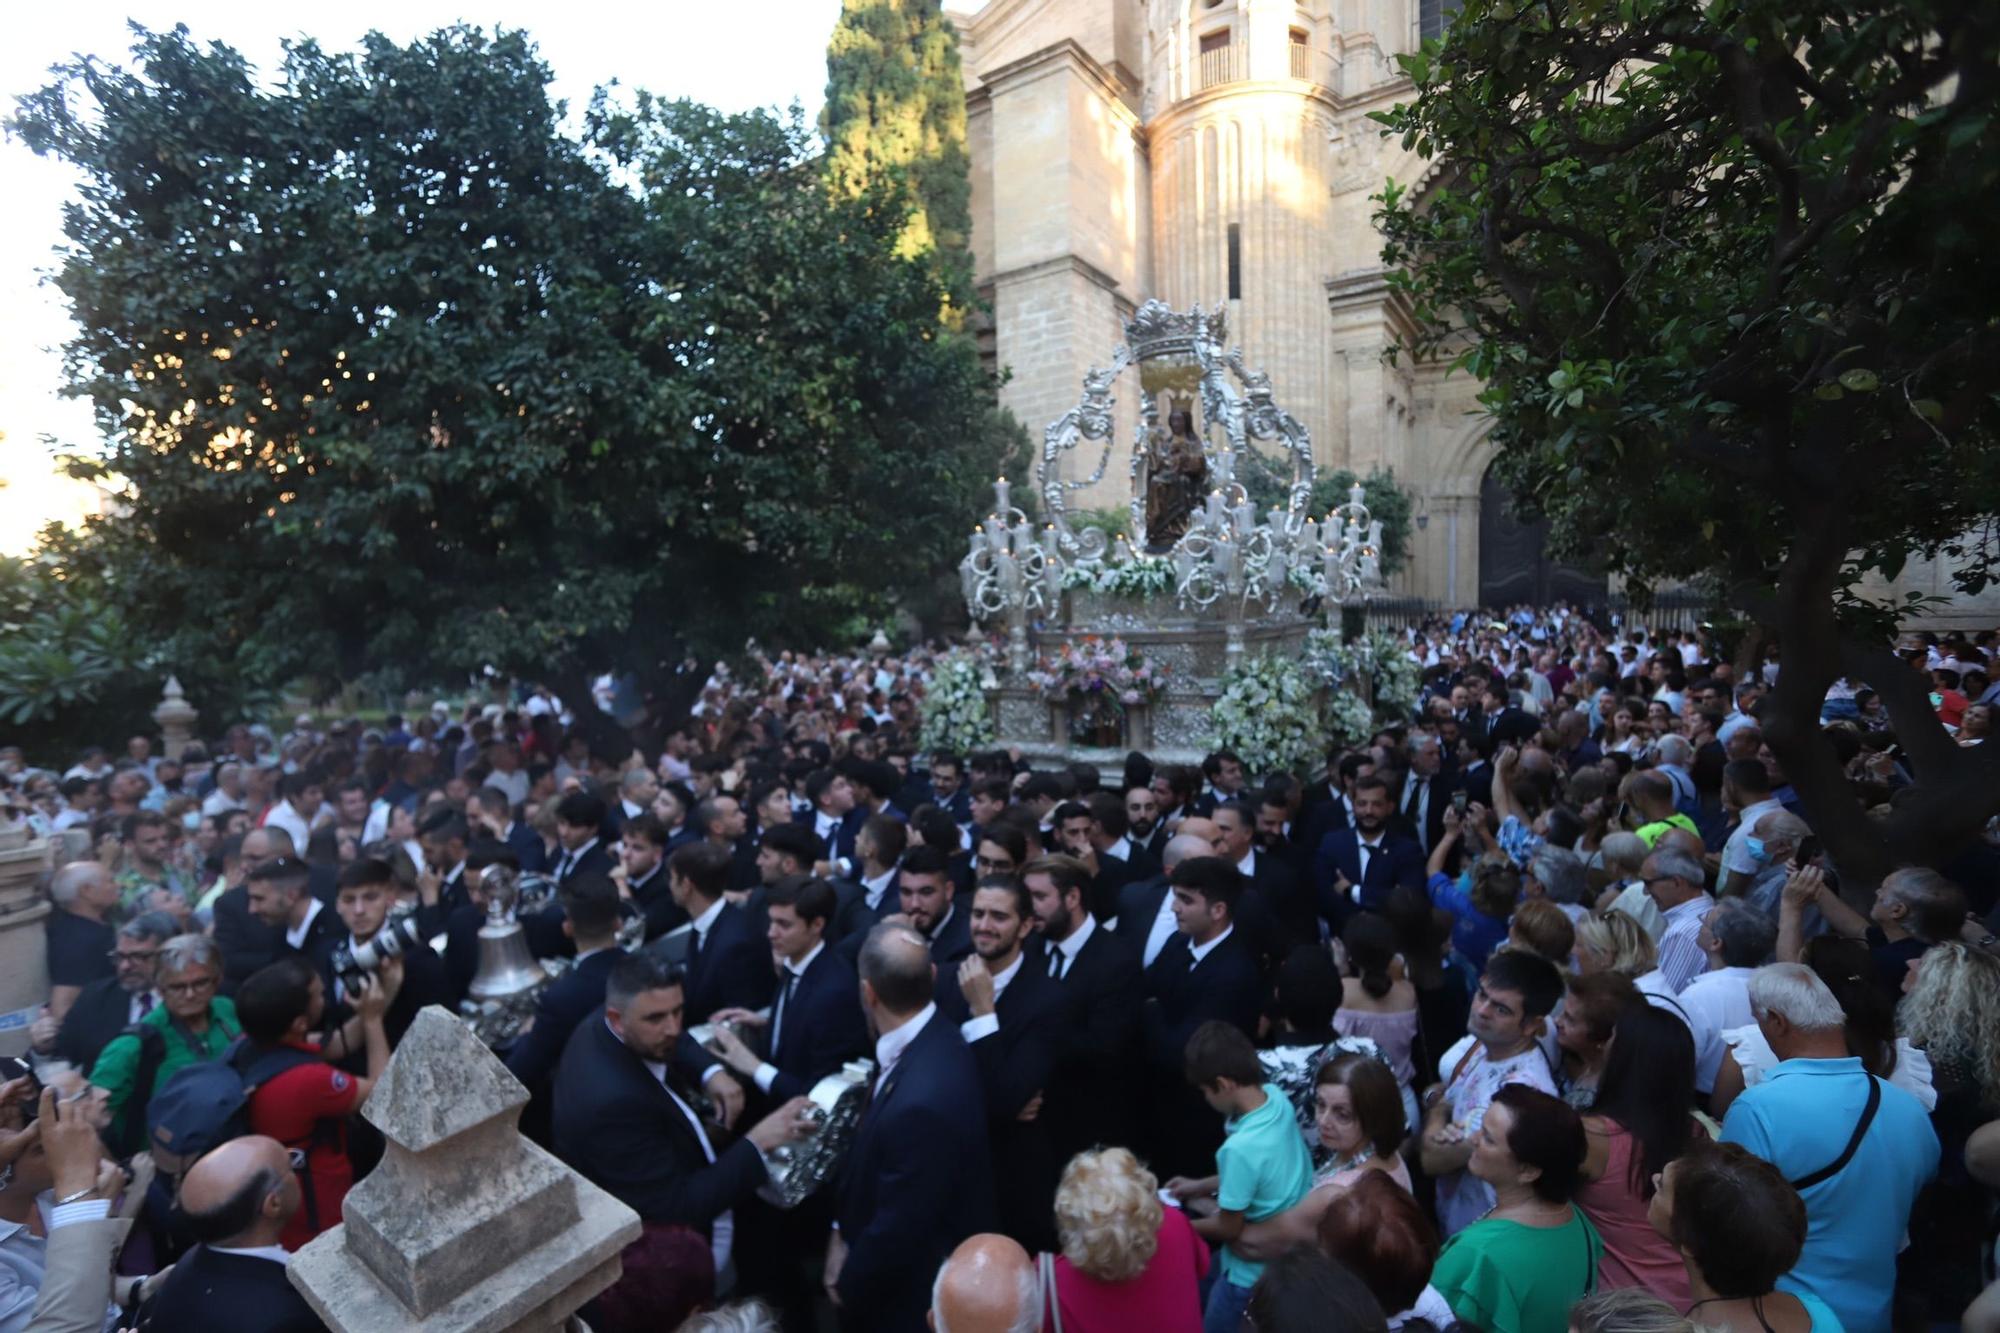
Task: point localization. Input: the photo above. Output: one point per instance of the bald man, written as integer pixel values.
(918, 1178)
(988, 1285)
(236, 1201)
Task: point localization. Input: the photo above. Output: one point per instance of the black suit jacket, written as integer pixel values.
(596, 861)
(528, 849)
(562, 1005)
(616, 1124)
(209, 1291)
(732, 968)
(1138, 907)
(323, 932)
(1017, 1063)
(656, 900)
(951, 942)
(823, 1026)
(1101, 898)
(1090, 1099)
(1401, 863)
(917, 1180)
(103, 1009)
(246, 943)
(1225, 985)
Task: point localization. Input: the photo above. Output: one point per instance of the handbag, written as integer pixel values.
(1045, 1264)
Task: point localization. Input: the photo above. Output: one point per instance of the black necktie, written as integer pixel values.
(145, 1004)
(1057, 959)
(1416, 799)
(694, 949)
(778, 1009)
(1367, 856)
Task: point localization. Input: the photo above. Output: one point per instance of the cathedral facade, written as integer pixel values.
(1219, 152)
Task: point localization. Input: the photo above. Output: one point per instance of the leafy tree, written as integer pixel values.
(70, 669)
(1725, 270)
(404, 380)
(1385, 498)
(895, 108)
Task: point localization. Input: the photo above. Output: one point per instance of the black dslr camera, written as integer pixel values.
(352, 962)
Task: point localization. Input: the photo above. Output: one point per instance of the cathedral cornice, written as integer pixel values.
(1111, 82)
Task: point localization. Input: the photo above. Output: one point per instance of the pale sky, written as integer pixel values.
(730, 55)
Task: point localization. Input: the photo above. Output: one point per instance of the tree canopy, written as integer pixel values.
(895, 109)
(403, 379)
(1725, 271)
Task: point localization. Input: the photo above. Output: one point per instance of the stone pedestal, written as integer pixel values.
(1192, 643)
(24, 913)
(466, 1227)
(176, 717)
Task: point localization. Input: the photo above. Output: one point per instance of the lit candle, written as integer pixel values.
(978, 540)
(1354, 493)
(1336, 538)
(1214, 508)
(1049, 540)
(1330, 570)
(1001, 491)
(1246, 518)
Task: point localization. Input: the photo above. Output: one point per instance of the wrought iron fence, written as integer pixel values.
(1399, 612)
(1672, 609)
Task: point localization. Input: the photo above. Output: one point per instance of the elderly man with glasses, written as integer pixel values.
(111, 1004)
(191, 1024)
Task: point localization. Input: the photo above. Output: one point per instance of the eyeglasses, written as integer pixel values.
(189, 987)
(135, 956)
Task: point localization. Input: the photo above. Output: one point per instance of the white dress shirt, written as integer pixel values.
(296, 935)
(1201, 951)
(569, 859)
(722, 1233)
(1062, 954)
(873, 889)
(704, 922)
(1164, 926)
(767, 1072)
(1681, 956)
(985, 1025)
(889, 1047)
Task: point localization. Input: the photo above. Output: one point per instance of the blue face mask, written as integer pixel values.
(1758, 852)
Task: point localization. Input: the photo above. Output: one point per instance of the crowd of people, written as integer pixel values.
(1542, 1010)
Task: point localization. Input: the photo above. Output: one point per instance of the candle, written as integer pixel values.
(1355, 493)
(978, 540)
(1280, 562)
(1246, 518)
(1001, 491)
(1049, 539)
(1214, 508)
(1375, 534)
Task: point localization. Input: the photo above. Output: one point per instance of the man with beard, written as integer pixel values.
(1088, 1099)
(1145, 835)
(1011, 1013)
(1268, 876)
(926, 897)
(1358, 868)
(644, 855)
(1074, 828)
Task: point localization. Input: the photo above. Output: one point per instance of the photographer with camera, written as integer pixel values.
(364, 901)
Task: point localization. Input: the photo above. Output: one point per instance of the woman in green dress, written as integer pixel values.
(1521, 1267)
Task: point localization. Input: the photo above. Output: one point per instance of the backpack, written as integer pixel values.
(210, 1104)
(152, 1041)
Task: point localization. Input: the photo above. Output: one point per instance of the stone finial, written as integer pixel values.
(465, 1227)
(176, 717)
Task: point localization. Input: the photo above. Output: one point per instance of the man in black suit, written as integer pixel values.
(590, 917)
(1222, 771)
(1088, 1097)
(624, 1116)
(1329, 805)
(279, 896)
(1208, 971)
(580, 820)
(1077, 835)
(109, 1005)
(947, 788)
(1359, 867)
(815, 1025)
(444, 835)
(497, 813)
(1268, 876)
(247, 942)
(1145, 829)
(729, 963)
(917, 1179)
(236, 1201)
(1425, 792)
(926, 896)
(785, 850)
(834, 820)
(1146, 921)
(1012, 1013)
(644, 852)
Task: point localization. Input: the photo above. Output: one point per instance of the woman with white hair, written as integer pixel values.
(191, 1024)
(1127, 1261)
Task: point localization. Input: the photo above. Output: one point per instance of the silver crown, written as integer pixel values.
(1157, 329)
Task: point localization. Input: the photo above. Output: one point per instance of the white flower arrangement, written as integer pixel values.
(1140, 577)
(1269, 715)
(1380, 658)
(956, 716)
(1349, 719)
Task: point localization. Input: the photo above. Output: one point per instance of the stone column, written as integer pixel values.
(176, 717)
(24, 913)
(465, 1227)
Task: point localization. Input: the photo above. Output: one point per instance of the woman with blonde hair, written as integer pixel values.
(1614, 942)
(1627, 1310)
(1127, 1261)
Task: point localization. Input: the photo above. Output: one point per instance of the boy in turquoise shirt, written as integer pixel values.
(1262, 1167)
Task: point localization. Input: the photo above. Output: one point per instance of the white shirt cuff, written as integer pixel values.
(766, 1075)
(87, 1210)
(985, 1025)
(711, 1072)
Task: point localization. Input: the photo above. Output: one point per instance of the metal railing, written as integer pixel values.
(1673, 609)
(1399, 612)
(1219, 65)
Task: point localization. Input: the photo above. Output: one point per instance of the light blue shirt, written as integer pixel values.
(1262, 1169)
(1799, 1119)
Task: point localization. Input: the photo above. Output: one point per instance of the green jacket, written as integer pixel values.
(117, 1069)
